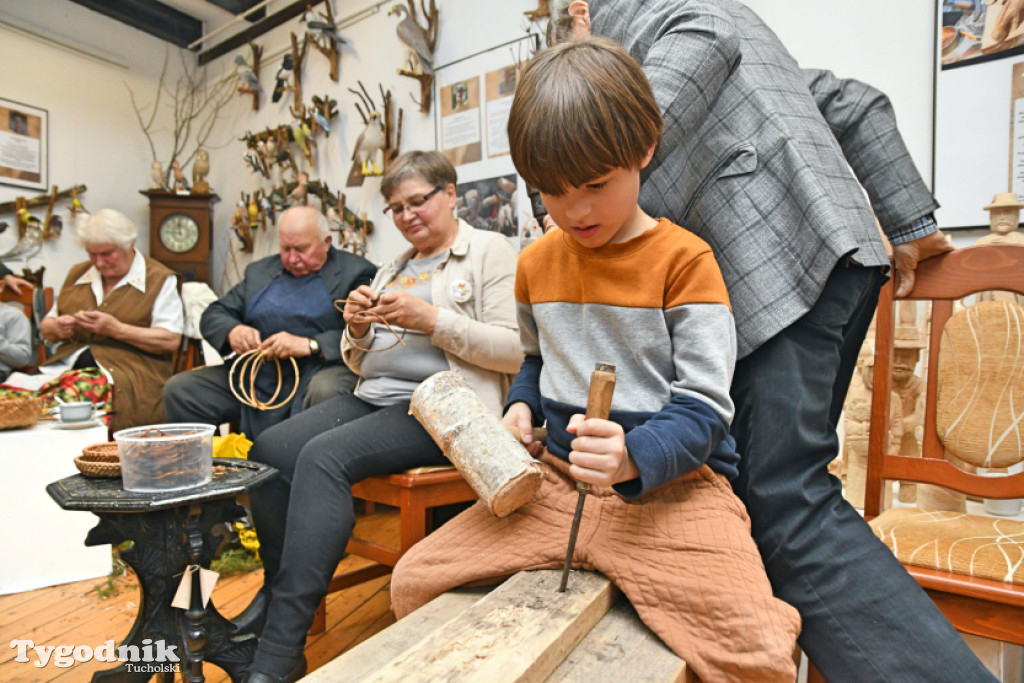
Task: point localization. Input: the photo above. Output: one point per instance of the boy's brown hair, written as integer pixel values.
(580, 111)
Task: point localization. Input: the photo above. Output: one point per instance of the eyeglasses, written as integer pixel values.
(411, 204)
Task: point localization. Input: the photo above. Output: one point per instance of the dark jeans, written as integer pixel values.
(864, 617)
(304, 516)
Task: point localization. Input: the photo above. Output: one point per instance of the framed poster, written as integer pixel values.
(979, 45)
(23, 145)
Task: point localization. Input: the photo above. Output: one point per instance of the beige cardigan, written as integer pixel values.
(476, 323)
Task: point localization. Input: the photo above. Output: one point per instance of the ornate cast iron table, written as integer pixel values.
(170, 531)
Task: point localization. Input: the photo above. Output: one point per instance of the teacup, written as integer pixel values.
(77, 411)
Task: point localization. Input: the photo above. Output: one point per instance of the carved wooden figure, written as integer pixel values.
(421, 43)
(1004, 217)
(240, 226)
(249, 75)
(200, 169)
(323, 33)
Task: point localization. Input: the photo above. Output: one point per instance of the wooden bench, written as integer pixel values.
(523, 630)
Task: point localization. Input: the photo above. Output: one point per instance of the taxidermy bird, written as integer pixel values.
(324, 32)
(414, 36)
(201, 166)
(246, 76)
(283, 77)
(268, 208)
(240, 226)
(157, 174)
(77, 206)
(299, 194)
(56, 226)
(370, 141)
(179, 177)
(31, 240)
(252, 158)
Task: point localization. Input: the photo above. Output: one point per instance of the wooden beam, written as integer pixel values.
(256, 30)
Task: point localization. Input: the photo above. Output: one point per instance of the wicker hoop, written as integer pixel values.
(99, 460)
(372, 317)
(19, 412)
(251, 362)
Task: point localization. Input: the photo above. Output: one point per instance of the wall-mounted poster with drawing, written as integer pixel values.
(978, 110)
(499, 87)
(460, 121)
(23, 145)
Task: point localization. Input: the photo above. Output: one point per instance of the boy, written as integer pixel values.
(616, 285)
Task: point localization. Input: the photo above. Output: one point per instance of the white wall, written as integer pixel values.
(94, 138)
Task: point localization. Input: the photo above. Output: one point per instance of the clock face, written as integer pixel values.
(179, 233)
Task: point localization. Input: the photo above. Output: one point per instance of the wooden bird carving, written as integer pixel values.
(415, 38)
(247, 80)
(200, 169)
(31, 240)
(370, 141)
(323, 31)
(180, 183)
(156, 172)
(283, 77)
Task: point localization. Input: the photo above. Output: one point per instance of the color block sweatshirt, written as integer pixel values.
(656, 308)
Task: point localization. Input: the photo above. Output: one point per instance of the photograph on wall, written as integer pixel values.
(489, 204)
(461, 138)
(23, 151)
(974, 31)
(499, 87)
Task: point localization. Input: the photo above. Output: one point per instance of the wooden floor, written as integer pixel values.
(75, 614)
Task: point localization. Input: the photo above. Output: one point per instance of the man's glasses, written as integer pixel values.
(411, 203)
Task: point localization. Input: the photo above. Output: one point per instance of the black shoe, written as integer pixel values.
(253, 617)
(295, 674)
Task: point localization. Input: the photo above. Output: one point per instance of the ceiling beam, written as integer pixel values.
(153, 18)
(259, 28)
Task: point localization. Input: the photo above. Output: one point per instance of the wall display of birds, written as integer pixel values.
(368, 145)
(283, 77)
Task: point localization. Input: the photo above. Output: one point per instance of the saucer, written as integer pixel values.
(82, 424)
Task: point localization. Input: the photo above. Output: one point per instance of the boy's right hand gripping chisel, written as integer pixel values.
(599, 405)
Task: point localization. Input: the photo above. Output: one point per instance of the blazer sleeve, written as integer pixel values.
(863, 121)
(224, 314)
(358, 272)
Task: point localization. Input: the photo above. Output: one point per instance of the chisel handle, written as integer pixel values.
(599, 399)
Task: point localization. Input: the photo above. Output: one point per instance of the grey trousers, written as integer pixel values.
(202, 395)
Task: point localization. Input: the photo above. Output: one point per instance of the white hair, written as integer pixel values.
(106, 226)
(323, 228)
(560, 23)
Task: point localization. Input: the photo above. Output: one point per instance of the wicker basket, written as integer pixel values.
(99, 460)
(19, 412)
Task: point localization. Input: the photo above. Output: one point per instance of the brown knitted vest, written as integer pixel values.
(139, 376)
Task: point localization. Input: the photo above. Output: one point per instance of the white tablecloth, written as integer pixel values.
(40, 543)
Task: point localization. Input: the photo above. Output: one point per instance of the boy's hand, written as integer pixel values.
(599, 455)
(520, 417)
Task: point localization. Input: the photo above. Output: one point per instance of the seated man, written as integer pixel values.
(15, 340)
(283, 306)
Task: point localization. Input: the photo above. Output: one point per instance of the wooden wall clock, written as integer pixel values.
(181, 232)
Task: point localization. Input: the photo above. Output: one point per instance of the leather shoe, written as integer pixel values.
(295, 674)
(254, 616)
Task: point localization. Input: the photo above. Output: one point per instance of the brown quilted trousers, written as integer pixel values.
(682, 554)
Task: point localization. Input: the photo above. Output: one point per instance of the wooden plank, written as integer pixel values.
(518, 632)
(370, 655)
(620, 648)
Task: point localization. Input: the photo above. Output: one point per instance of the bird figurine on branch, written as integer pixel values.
(200, 169)
(283, 77)
(368, 145)
(248, 77)
(421, 42)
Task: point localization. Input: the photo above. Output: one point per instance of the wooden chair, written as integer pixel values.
(26, 301)
(415, 493)
(978, 423)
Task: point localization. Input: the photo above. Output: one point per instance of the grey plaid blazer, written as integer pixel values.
(756, 155)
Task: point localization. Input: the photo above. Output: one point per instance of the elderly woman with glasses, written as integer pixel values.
(449, 299)
(119, 311)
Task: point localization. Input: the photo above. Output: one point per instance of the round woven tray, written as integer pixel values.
(99, 460)
(19, 412)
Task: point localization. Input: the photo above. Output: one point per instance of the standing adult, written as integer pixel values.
(755, 159)
(284, 306)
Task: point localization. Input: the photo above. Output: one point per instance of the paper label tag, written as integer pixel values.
(207, 580)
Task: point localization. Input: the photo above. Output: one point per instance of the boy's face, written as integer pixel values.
(602, 211)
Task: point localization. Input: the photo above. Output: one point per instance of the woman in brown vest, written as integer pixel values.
(119, 311)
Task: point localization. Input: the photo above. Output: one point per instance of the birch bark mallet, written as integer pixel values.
(599, 405)
(492, 461)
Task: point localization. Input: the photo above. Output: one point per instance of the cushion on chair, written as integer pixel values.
(971, 545)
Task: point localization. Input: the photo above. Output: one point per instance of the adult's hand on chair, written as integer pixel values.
(14, 282)
(909, 254)
(243, 338)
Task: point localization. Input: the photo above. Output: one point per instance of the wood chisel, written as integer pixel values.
(599, 405)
